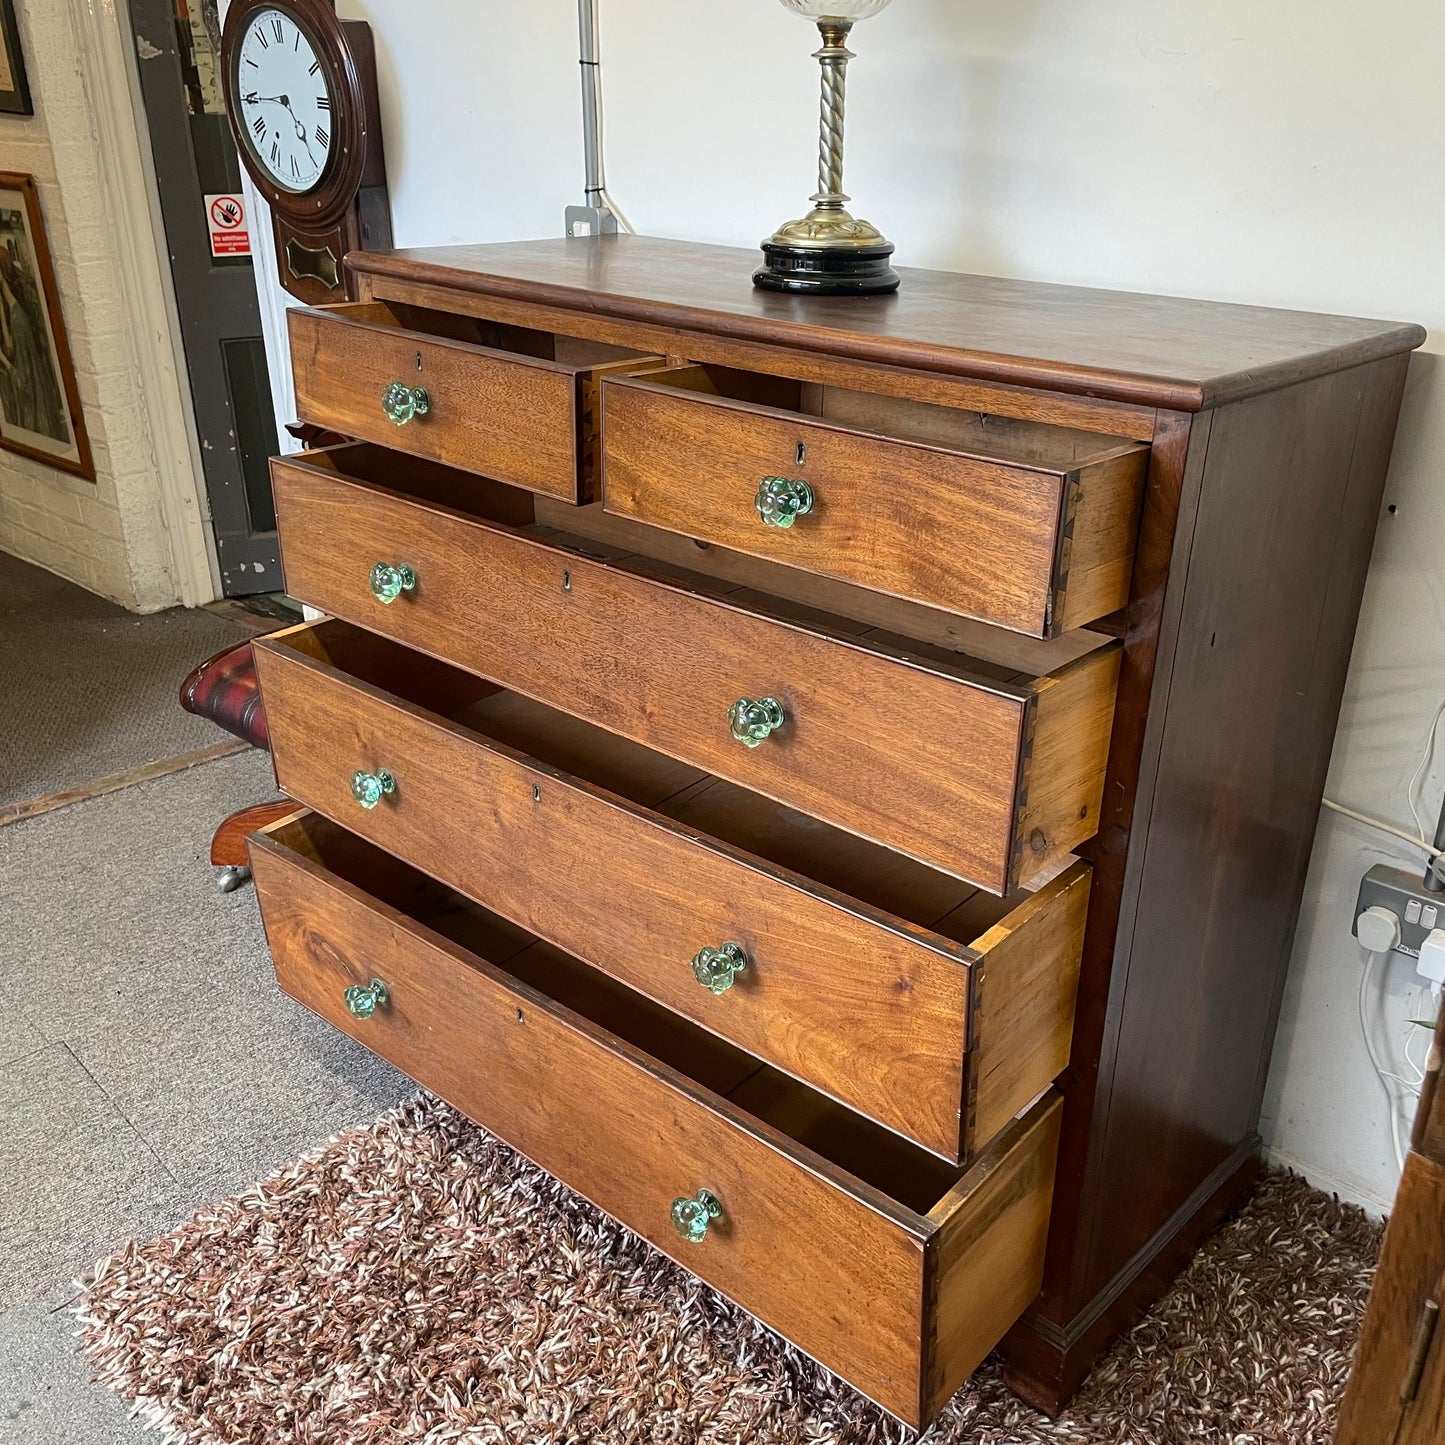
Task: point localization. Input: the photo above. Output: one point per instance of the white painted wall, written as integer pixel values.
(136, 534)
(1284, 154)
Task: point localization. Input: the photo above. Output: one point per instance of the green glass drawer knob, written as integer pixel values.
(401, 402)
(782, 500)
(755, 720)
(370, 788)
(691, 1217)
(388, 582)
(716, 968)
(363, 999)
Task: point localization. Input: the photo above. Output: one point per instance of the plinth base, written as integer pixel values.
(831, 271)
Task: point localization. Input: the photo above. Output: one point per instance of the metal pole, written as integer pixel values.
(1435, 868)
(591, 99)
(595, 217)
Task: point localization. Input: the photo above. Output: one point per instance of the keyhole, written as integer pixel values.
(418, 361)
(536, 794)
(802, 455)
(566, 580)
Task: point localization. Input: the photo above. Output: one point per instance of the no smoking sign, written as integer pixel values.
(226, 221)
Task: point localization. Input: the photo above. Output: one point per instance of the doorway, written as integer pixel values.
(178, 47)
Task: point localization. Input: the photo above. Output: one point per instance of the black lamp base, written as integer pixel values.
(834, 271)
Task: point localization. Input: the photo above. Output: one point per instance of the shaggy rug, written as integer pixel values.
(418, 1281)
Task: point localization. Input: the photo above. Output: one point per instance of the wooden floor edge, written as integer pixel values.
(115, 782)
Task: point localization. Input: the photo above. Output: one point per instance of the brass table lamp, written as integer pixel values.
(827, 252)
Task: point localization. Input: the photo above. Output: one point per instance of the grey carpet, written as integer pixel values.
(89, 689)
(148, 1063)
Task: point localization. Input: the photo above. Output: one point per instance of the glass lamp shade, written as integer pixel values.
(836, 9)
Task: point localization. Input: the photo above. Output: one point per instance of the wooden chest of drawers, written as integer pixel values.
(831, 781)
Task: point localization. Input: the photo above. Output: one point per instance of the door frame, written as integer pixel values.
(112, 81)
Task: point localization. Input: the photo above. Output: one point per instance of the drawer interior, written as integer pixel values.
(969, 433)
(852, 866)
(494, 335)
(999, 658)
(906, 1173)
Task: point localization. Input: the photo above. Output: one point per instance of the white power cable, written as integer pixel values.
(1387, 1079)
(1412, 791)
(616, 210)
(1411, 1031)
(1382, 827)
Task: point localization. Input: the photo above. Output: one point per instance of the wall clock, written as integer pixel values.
(300, 88)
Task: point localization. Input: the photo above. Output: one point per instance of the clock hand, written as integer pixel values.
(300, 129)
(305, 140)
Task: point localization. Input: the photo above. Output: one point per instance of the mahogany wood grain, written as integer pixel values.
(345, 356)
(825, 594)
(1063, 770)
(1428, 1134)
(935, 771)
(1396, 1393)
(1255, 529)
(1254, 694)
(996, 1255)
(228, 842)
(1024, 1001)
(1151, 350)
(904, 507)
(1101, 507)
(832, 1262)
(994, 399)
(866, 996)
(1052, 1349)
(1273, 498)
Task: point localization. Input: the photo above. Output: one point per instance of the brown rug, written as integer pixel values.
(418, 1281)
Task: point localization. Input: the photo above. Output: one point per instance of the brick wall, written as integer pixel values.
(108, 535)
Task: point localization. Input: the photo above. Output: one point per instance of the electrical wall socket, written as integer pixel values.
(1406, 896)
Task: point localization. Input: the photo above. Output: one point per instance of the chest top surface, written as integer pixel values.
(1158, 350)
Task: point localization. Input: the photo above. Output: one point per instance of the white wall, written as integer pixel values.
(1285, 154)
(135, 534)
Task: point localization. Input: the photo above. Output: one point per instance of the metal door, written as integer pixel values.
(178, 46)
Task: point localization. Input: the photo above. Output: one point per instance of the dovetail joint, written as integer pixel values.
(1063, 556)
(1021, 795)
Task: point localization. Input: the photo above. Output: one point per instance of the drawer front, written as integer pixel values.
(830, 1262)
(511, 417)
(871, 1010)
(917, 760)
(1029, 548)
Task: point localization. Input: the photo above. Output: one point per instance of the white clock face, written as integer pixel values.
(284, 100)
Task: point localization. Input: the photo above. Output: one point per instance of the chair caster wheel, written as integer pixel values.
(230, 879)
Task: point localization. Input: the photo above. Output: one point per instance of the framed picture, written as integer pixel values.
(40, 413)
(14, 89)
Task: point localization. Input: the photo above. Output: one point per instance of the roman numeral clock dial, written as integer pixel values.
(302, 100)
(284, 100)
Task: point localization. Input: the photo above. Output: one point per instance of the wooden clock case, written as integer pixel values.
(349, 208)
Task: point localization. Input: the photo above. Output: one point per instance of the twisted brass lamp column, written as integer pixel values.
(828, 252)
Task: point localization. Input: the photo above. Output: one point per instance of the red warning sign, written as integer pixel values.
(226, 221)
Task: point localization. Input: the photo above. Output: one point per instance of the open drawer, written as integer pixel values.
(516, 404)
(1017, 523)
(991, 771)
(894, 1270)
(933, 1007)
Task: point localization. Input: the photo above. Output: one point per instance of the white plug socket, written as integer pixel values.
(1378, 929)
(1432, 958)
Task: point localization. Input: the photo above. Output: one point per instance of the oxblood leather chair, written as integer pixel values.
(224, 688)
